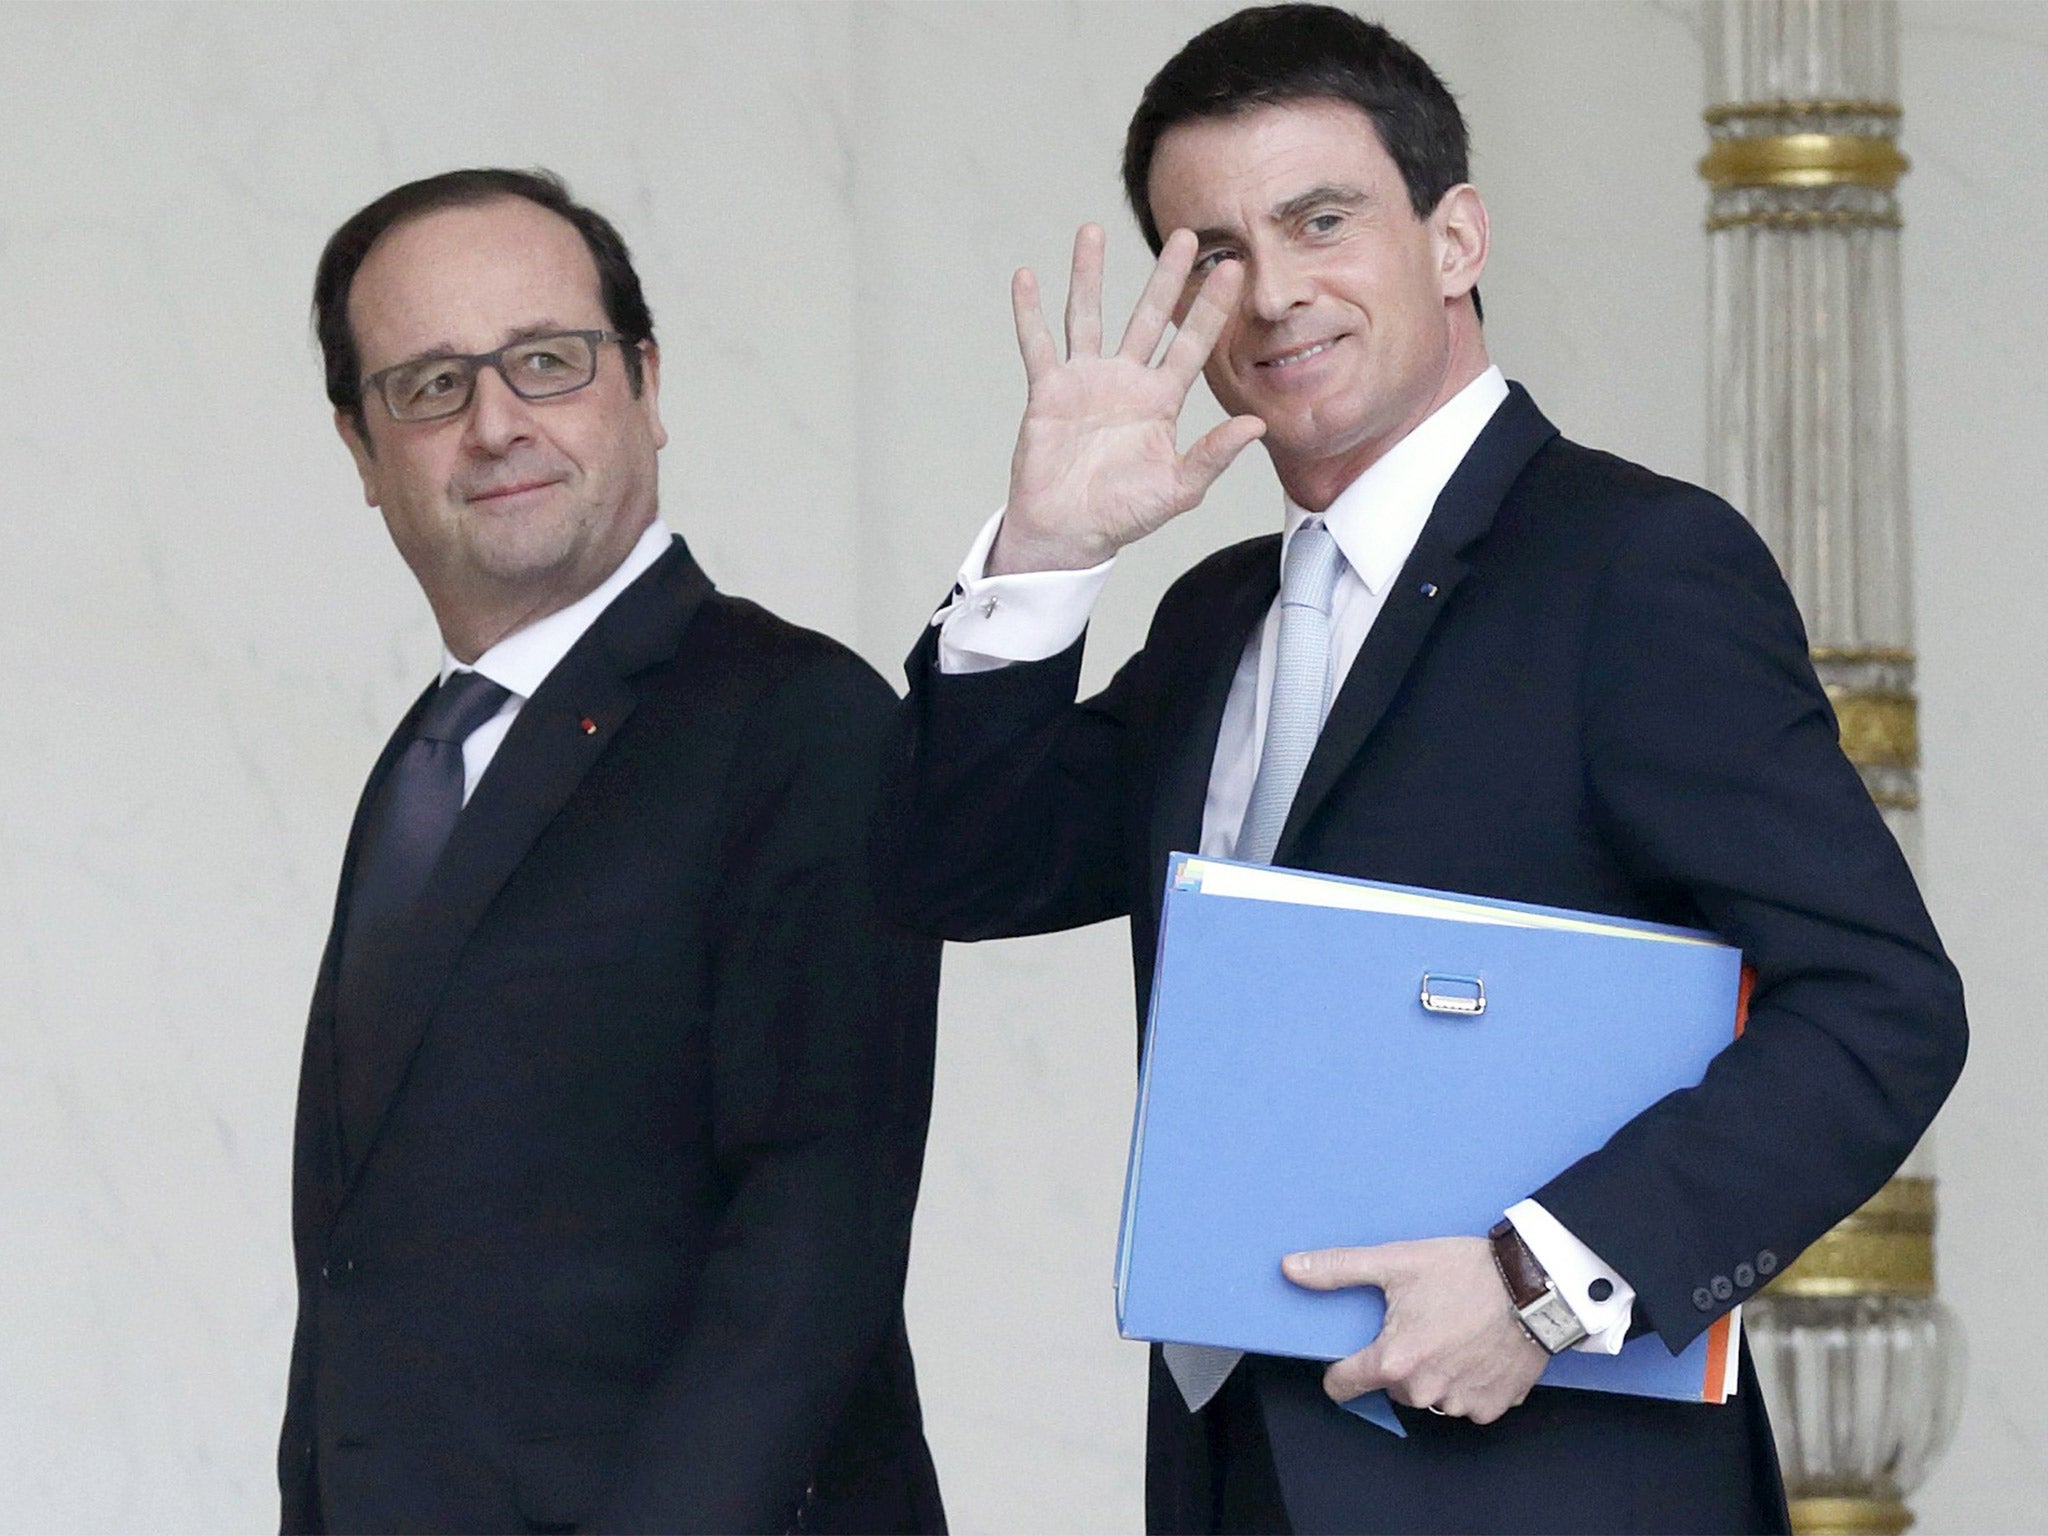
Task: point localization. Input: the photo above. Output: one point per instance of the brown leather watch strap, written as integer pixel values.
(1525, 1279)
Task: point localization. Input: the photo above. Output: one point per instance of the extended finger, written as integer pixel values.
(1214, 304)
(1329, 1269)
(1160, 298)
(1034, 336)
(1212, 453)
(1084, 294)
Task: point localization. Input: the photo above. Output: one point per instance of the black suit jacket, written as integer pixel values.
(1588, 688)
(618, 1236)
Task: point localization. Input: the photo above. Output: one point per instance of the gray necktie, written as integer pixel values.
(1294, 718)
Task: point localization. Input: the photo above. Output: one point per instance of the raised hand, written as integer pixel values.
(1098, 463)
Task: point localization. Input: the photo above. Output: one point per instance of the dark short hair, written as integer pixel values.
(1283, 53)
(618, 285)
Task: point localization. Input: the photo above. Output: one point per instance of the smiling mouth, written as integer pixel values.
(499, 493)
(1296, 358)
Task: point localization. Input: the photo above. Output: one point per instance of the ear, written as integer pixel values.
(360, 450)
(1458, 231)
(650, 391)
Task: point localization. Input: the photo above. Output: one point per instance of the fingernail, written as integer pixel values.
(1297, 1264)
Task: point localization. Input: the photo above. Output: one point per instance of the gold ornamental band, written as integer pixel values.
(1803, 218)
(1736, 111)
(1884, 1249)
(1804, 160)
(1880, 729)
(1850, 1517)
(1895, 800)
(1861, 655)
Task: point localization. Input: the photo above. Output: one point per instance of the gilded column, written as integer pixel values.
(1861, 1364)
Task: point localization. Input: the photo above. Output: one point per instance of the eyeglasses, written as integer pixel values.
(534, 368)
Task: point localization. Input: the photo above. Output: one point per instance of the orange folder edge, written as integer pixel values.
(1712, 1388)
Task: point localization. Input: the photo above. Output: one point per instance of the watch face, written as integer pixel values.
(1552, 1321)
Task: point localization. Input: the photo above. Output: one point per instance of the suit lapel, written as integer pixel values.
(559, 734)
(1193, 714)
(320, 1140)
(1463, 514)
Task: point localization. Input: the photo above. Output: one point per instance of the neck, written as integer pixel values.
(469, 635)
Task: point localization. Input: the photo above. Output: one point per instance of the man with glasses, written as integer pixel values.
(614, 1093)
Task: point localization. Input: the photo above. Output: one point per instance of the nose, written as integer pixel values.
(498, 419)
(1274, 282)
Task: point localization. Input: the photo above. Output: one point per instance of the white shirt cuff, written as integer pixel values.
(1573, 1268)
(992, 621)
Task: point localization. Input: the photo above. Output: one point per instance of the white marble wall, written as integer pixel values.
(208, 635)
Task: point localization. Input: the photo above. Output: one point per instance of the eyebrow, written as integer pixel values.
(1320, 197)
(512, 338)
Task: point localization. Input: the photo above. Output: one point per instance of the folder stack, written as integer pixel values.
(1336, 1063)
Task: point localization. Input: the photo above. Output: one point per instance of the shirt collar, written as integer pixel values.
(522, 660)
(1377, 518)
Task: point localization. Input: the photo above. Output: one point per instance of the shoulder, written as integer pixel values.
(1673, 573)
(770, 667)
(1227, 572)
(1227, 568)
(1629, 496)
(1616, 522)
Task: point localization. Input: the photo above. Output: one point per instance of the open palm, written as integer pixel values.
(1098, 463)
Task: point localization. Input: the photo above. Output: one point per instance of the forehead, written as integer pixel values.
(1245, 164)
(465, 279)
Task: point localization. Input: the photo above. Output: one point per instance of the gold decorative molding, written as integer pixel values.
(1736, 111)
(1884, 1249)
(1895, 800)
(1880, 727)
(1804, 160)
(1854, 655)
(1803, 218)
(1850, 1517)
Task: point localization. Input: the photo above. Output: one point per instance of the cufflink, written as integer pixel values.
(1601, 1288)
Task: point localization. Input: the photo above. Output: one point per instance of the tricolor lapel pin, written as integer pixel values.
(1429, 589)
(589, 726)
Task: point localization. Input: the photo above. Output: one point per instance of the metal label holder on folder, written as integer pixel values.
(1464, 996)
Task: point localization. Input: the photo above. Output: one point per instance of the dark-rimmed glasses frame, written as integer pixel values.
(407, 388)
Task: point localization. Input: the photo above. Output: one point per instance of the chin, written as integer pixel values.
(523, 551)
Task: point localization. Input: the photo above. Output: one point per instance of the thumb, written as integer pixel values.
(1213, 452)
(1332, 1269)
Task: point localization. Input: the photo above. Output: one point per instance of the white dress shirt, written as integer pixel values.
(995, 621)
(521, 661)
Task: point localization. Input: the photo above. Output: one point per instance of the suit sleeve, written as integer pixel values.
(1712, 758)
(822, 1019)
(1002, 812)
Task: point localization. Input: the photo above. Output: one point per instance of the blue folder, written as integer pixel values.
(1298, 1092)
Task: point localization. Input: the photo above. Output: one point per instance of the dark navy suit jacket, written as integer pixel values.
(1588, 688)
(617, 1235)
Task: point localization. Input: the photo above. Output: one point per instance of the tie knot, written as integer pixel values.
(1309, 577)
(461, 704)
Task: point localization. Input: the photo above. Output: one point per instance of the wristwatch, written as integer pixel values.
(1546, 1315)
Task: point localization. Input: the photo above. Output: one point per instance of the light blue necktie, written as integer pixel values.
(1294, 718)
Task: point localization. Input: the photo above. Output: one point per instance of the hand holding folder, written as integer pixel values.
(1336, 1063)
